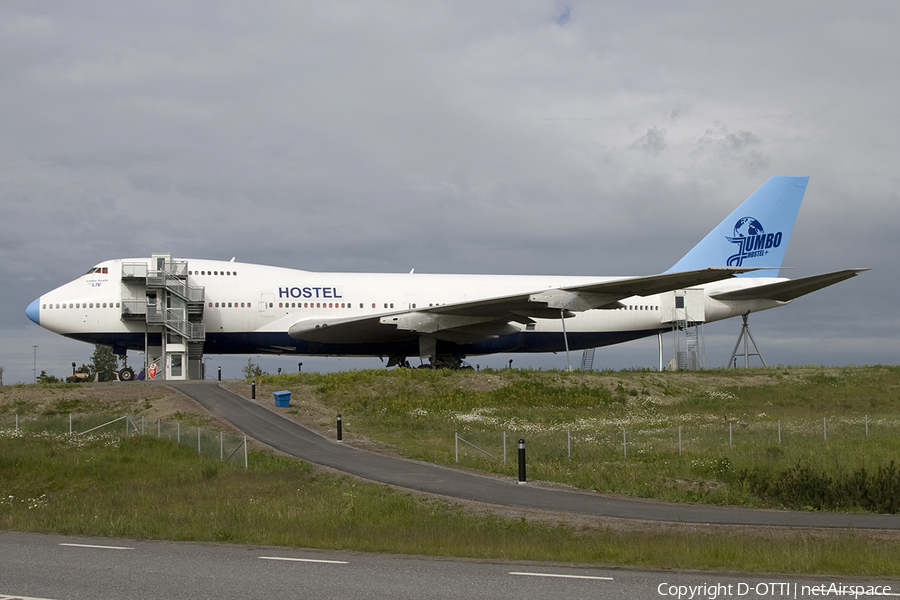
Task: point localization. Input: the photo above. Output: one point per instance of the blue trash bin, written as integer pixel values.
(282, 398)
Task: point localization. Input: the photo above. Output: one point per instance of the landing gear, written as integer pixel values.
(126, 373)
(398, 361)
(447, 361)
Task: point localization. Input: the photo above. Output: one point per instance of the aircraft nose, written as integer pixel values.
(33, 311)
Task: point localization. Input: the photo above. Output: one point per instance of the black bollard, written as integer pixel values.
(253, 390)
(521, 461)
(220, 373)
(340, 430)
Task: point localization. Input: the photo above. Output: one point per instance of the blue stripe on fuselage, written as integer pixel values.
(282, 343)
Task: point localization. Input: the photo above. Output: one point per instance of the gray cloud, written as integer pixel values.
(652, 143)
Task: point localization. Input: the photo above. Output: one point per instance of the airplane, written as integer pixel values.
(175, 310)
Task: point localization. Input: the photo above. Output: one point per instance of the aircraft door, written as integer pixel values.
(409, 301)
(267, 305)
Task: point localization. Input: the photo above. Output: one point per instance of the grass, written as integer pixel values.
(142, 487)
(730, 422)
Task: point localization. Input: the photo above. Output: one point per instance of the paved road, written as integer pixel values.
(66, 568)
(291, 438)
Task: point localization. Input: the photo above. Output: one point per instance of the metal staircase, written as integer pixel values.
(186, 316)
(159, 295)
(687, 346)
(587, 359)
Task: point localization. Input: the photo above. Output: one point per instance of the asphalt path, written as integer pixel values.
(291, 438)
(54, 567)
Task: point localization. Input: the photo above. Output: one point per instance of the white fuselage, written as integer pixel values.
(249, 308)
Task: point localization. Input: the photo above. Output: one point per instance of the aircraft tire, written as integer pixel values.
(126, 374)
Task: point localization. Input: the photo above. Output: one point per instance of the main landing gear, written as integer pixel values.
(441, 361)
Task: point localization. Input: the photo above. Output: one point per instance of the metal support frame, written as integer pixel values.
(747, 338)
(562, 317)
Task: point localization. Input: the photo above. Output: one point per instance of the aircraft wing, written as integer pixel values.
(785, 291)
(491, 317)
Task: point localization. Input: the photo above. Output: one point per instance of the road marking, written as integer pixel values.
(561, 576)
(307, 560)
(100, 547)
(8, 597)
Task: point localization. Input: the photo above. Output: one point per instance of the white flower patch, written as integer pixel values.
(11, 434)
(478, 415)
(31, 503)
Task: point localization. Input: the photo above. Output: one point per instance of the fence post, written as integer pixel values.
(730, 437)
(624, 444)
(198, 440)
(245, 452)
(825, 428)
(142, 424)
(679, 440)
(504, 447)
(456, 444)
(779, 431)
(521, 461)
(158, 429)
(70, 423)
(178, 431)
(867, 425)
(221, 447)
(17, 422)
(569, 441)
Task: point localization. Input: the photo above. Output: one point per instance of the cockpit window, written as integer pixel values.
(101, 270)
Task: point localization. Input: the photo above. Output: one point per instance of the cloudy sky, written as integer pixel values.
(526, 136)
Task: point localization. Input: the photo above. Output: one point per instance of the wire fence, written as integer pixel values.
(217, 444)
(633, 441)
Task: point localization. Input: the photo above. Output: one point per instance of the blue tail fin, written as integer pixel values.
(756, 234)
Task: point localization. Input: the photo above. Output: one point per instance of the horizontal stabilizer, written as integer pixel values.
(785, 291)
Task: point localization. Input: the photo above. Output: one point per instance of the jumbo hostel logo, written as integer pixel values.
(752, 241)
